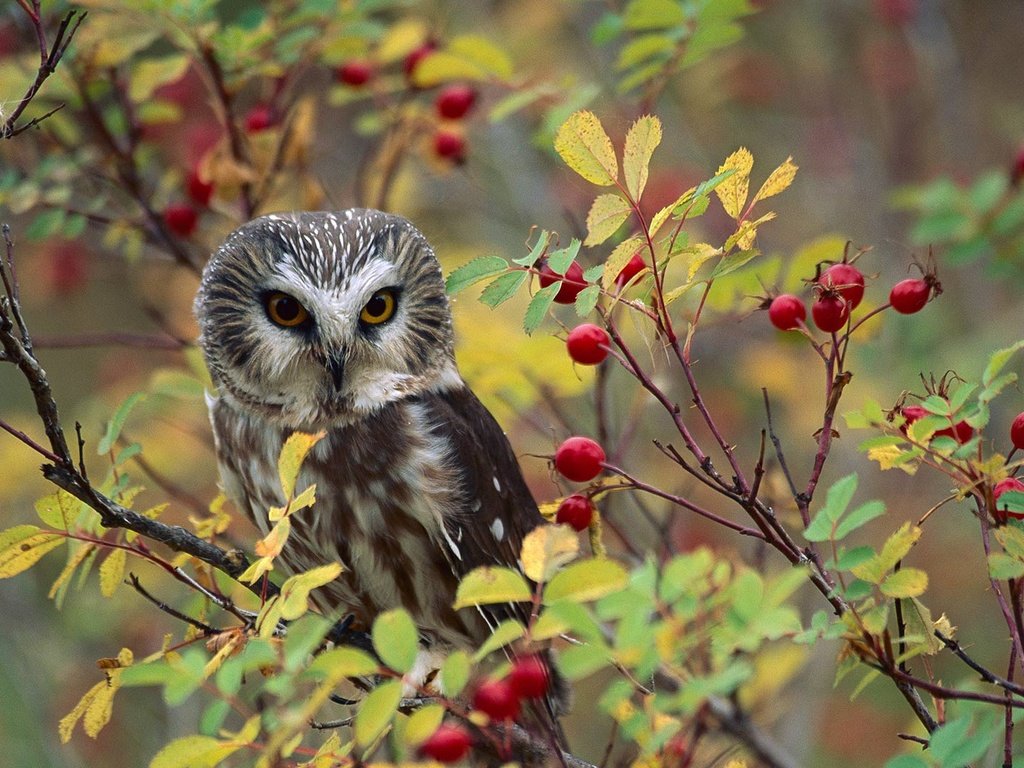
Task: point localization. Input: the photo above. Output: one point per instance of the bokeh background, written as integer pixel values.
(874, 99)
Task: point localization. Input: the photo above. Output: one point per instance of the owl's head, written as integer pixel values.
(312, 319)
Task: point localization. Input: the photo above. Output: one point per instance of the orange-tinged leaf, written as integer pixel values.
(606, 215)
(546, 549)
(619, 257)
(733, 191)
(777, 181)
(643, 138)
(272, 544)
(585, 147)
(112, 571)
(294, 452)
(24, 551)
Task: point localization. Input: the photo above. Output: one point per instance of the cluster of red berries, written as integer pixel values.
(452, 103)
(579, 459)
(499, 699)
(840, 289)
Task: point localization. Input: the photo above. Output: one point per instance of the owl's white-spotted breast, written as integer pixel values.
(340, 322)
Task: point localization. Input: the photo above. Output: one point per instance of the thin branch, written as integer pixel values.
(206, 629)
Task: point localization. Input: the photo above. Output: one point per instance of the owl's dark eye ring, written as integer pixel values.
(284, 310)
(379, 308)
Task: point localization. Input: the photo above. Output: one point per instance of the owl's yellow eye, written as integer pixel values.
(285, 310)
(379, 308)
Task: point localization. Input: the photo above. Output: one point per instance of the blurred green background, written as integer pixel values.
(874, 99)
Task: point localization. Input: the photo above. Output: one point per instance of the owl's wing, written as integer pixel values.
(499, 510)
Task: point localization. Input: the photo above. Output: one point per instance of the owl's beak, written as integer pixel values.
(335, 365)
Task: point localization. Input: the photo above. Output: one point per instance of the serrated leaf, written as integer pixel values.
(998, 361)
(1001, 566)
(732, 262)
(1011, 539)
(905, 583)
(546, 549)
(535, 253)
(895, 549)
(539, 306)
(585, 147)
(777, 181)
(295, 591)
(505, 633)
(919, 622)
(643, 138)
(836, 501)
(112, 571)
(732, 192)
(586, 580)
(117, 421)
(422, 724)
(293, 453)
(618, 258)
(504, 288)
(559, 261)
(455, 673)
(586, 300)
(396, 640)
(860, 516)
(376, 711)
(492, 584)
(23, 546)
(606, 215)
(474, 271)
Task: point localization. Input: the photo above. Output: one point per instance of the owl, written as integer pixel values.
(340, 322)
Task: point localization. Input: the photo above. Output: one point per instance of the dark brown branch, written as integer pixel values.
(986, 674)
(206, 629)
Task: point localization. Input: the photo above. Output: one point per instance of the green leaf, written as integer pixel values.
(733, 261)
(1001, 566)
(1012, 539)
(303, 639)
(862, 515)
(455, 673)
(579, 661)
(919, 622)
(656, 46)
(643, 138)
(422, 724)
(504, 288)
(535, 253)
(376, 711)
(586, 300)
(396, 640)
(836, 502)
(58, 510)
(586, 580)
(998, 361)
(559, 261)
(117, 422)
(952, 744)
(505, 633)
(585, 147)
(539, 306)
(295, 591)
(149, 74)
(652, 14)
(895, 549)
(476, 270)
(606, 215)
(905, 583)
(907, 761)
(46, 224)
(492, 584)
(854, 557)
(342, 662)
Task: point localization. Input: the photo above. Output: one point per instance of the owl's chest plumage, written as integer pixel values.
(387, 494)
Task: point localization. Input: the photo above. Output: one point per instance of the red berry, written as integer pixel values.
(911, 413)
(633, 267)
(1017, 431)
(529, 677)
(497, 700)
(414, 57)
(575, 511)
(450, 145)
(448, 744)
(1007, 484)
(355, 72)
(1017, 170)
(830, 312)
(181, 218)
(847, 280)
(572, 282)
(896, 12)
(69, 269)
(579, 459)
(259, 118)
(200, 191)
(961, 432)
(588, 344)
(786, 312)
(454, 101)
(909, 296)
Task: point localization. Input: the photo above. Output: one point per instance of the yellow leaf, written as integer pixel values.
(890, 456)
(58, 510)
(401, 39)
(292, 455)
(549, 509)
(585, 147)
(422, 724)
(471, 57)
(605, 217)
(777, 181)
(66, 726)
(749, 231)
(149, 74)
(295, 591)
(733, 191)
(702, 253)
(193, 752)
(256, 570)
(904, 583)
(25, 550)
(586, 580)
(112, 571)
(546, 549)
(643, 138)
(619, 258)
(272, 544)
(77, 556)
(97, 713)
(486, 585)
(305, 499)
